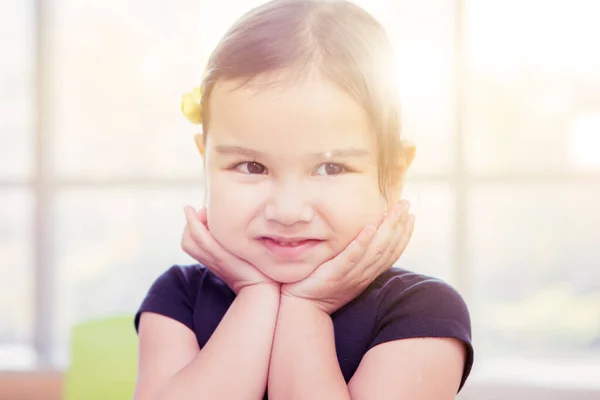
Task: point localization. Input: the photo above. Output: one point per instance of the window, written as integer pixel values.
(531, 126)
(501, 97)
(17, 127)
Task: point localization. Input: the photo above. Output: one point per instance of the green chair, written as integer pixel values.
(103, 360)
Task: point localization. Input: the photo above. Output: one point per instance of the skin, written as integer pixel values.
(292, 131)
(283, 305)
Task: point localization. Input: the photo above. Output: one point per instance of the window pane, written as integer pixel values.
(534, 89)
(16, 278)
(110, 245)
(430, 250)
(423, 33)
(17, 103)
(118, 71)
(535, 258)
(130, 122)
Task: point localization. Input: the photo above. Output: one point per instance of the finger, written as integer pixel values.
(194, 221)
(376, 254)
(191, 248)
(408, 230)
(354, 252)
(202, 216)
(390, 226)
(397, 236)
(389, 258)
(200, 234)
(186, 240)
(189, 213)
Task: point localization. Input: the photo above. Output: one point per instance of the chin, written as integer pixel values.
(282, 266)
(288, 272)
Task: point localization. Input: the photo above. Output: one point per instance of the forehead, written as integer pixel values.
(312, 115)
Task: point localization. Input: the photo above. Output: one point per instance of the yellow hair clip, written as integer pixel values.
(191, 105)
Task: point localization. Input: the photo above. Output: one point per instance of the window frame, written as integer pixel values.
(44, 186)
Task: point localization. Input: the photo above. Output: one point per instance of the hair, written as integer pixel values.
(336, 39)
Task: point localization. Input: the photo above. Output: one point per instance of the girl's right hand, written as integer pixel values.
(198, 242)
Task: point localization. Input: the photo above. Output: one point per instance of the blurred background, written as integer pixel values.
(502, 98)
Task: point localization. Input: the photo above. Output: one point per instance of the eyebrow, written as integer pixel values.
(349, 152)
(237, 150)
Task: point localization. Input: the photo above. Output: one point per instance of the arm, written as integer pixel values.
(304, 364)
(411, 369)
(233, 364)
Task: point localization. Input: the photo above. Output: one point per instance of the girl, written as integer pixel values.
(295, 297)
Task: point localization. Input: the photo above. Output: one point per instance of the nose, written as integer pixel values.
(288, 205)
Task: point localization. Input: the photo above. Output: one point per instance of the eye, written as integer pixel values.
(330, 169)
(251, 167)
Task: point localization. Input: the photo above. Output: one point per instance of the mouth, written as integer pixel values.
(289, 242)
(288, 248)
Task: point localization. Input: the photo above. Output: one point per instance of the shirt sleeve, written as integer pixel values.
(172, 295)
(424, 308)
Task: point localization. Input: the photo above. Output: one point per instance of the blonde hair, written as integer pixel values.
(336, 39)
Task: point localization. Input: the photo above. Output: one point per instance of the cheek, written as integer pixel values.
(231, 207)
(350, 209)
(220, 203)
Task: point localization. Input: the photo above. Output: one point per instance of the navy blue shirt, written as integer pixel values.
(398, 305)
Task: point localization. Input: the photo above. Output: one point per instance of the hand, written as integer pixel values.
(198, 242)
(339, 280)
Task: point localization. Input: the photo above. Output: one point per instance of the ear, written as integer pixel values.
(199, 139)
(409, 150)
(405, 158)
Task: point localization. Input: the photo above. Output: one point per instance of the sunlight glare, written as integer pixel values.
(585, 141)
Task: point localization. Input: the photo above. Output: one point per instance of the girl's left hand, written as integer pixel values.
(339, 280)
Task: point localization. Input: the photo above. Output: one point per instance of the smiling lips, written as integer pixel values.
(288, 248)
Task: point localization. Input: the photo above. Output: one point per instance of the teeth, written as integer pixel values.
(287, 244)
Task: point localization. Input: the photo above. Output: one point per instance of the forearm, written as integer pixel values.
(304, 363)
(234, 363)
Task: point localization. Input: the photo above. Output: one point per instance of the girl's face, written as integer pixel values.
(292, 175)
